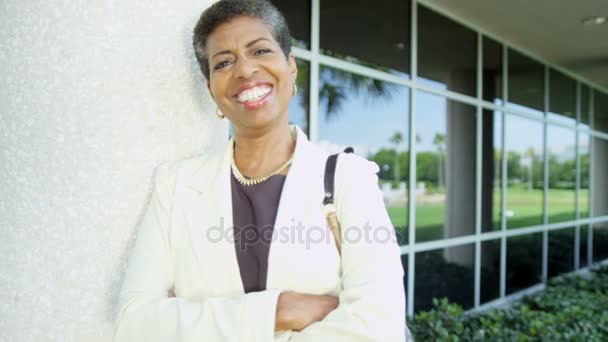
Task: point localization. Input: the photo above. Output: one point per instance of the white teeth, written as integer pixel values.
(253, 93)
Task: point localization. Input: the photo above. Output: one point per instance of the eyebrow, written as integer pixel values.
(248, 45)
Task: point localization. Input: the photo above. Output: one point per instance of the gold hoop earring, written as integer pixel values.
(295, 89)
(219, 114)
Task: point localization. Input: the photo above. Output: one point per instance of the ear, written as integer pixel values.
(293, 66)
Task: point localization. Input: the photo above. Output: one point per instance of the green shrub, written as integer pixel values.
(569, 309)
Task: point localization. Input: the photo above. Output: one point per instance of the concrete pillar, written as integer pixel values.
(460, 177)
(490, 169)
(94, 96)
(599, 181)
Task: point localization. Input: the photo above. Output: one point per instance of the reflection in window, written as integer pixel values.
(526, 83)
(372, 117)
(561, 252)
(445, 168)
(491, 189)
(447, 272)
(600, 111)
(297, 15)
(298, 106)
(585, 100)
(490, 270)
(599, 182)
(447, 53)
(350, 32)
(562, 174)
(600, 241)
(524, 261)
(583, 194)
(492, 71)
(562, 97)
(585, 231)
(523, 150)
(404, 264)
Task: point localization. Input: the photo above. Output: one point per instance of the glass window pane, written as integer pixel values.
(404, 263)
(600, 111)
(346, 33)
(600, 241)
(583, 194)
(447, 53)
(372, 117)
(526, 83)
(584, 237)
(524, 261)
(561, 252)
(446, 273)
(492, 71)
(297, 15)
(562, 173)
(585, 96)
(445, 168)
(524, 146)
(298, 106)
(490, 270)
(562, 97)
(599, 182)
(491, 198)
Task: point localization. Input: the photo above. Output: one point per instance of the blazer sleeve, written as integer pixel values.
(372, 302)
(145, 311)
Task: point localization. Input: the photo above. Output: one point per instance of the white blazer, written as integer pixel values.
(184, 243)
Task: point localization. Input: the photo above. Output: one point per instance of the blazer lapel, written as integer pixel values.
(210, 224)
(299, 211)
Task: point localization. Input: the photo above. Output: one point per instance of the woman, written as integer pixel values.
(239, 235)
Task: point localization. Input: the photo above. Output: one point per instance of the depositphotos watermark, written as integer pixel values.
(252, 235)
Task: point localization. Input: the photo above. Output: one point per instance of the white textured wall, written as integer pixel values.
(94, 95)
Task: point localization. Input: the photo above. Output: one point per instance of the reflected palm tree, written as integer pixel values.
(439, 141)
(530, 155)
(336, 85)
(396, 139)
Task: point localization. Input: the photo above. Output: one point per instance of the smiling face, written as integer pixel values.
(250, 79)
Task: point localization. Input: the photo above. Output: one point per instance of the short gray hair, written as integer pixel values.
(226, 10)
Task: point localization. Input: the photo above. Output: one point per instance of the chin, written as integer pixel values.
(257, 120)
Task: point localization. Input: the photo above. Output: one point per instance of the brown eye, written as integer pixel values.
(262, 51)
(221, 65)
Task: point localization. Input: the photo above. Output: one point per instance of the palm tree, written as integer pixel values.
(439, 141)
(396, 139)
(530, 154)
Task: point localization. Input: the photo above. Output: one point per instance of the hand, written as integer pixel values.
(296, 311)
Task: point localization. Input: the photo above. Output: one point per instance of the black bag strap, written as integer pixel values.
(330, 172)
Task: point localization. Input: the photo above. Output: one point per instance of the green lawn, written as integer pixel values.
(526, 208)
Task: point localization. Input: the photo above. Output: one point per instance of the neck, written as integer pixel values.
(258, 153)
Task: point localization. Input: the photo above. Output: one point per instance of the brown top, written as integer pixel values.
(254, 209)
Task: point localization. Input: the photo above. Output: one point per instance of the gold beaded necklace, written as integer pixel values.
(252, 181)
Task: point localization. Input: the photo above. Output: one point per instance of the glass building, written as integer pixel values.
(493, 163)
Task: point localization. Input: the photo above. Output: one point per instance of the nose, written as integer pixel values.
(244, 68)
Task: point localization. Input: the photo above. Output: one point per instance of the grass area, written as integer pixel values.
(524, 206)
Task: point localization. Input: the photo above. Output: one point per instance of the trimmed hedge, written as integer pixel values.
(569, 309)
